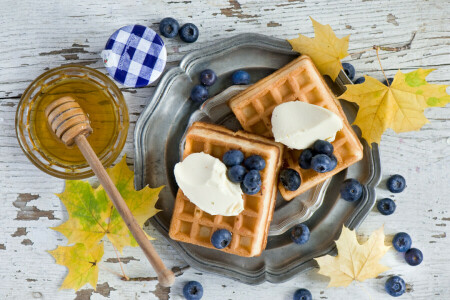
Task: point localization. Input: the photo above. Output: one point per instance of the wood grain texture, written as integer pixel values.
(38, 35)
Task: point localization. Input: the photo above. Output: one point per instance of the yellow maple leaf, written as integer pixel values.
(82, 263)
(325, 49)
(92, 215)
(354, 261)
(400, 106)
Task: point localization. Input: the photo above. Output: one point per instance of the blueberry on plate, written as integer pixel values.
(169, 27)
(240, 77)
(413, 257)
(386, 206)
(236, 173)
(396, 183)
(390, 79)
(255, 162)
(188, 33)
(402, 242)
(321, 163)
(221, 238)
(323, 147)
(300, 234)
(349, 70)
(199, 93)
(251, 183)
(395, 286)
(351, 190)
(302, 294)
(359, 80)
(233, 157)
(290, 179)
(193, 290)
(304, 160)
(208, 77)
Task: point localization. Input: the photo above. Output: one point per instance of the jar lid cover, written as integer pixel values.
(135, 55)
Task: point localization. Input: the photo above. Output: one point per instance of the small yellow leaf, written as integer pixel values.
(354, 261)
(325, 49)
(400, 106)
(92, 215)
(82, 263)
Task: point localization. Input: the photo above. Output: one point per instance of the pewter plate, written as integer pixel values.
(159, 138)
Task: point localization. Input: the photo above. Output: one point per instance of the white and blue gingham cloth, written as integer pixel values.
(135, 55)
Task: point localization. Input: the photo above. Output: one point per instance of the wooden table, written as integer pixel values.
(36, 36)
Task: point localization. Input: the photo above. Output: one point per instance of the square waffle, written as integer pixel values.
(250, 228)
(298, 80)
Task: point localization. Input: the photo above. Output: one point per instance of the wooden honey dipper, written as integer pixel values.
(70, 124)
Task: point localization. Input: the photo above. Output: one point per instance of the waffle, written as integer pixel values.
(250, 228)
(298, 80)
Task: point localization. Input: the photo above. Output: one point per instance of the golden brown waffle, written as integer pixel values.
(250, 228)
(298, 80)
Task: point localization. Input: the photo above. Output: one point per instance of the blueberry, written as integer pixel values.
(233, 157)
(169, 27)
(413, 257)
(221, 238)
(251, 183)
(351, 190)
(236, 173)
(390, 79)
(321, 163)
(208, 77)
(395, 286)
(333, 163)
(323, 147)
(359, 80)
(188, 33)
(302, 294)
(304, 160)
(300, 234)
(193, 290)
(396, 183)
(240, 77)
(402, 242)
(199, 93)
(255, 162)
(349, 70)
(386, 206)
(290, 179)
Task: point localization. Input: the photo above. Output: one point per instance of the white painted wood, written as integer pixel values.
(36, 35)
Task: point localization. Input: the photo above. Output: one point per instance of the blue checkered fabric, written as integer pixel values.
(135, 55)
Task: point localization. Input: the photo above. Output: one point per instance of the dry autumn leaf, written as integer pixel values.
(92, 215)
(400, 106)
(354, 261)
(325, 49)
(82, 263)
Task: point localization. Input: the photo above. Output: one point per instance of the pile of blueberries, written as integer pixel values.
(244, 171)
(199, 92)
(320, 158)
(349, 70)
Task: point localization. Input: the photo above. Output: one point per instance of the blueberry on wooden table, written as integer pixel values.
(302, 294)
(390, 79)
(395, 286)
(188, 33)
(396, 183)
(402, 242)
(193, 290)
(386, 206)
(169, 27)
(359, 80)
(349, 70)
(413, 257)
